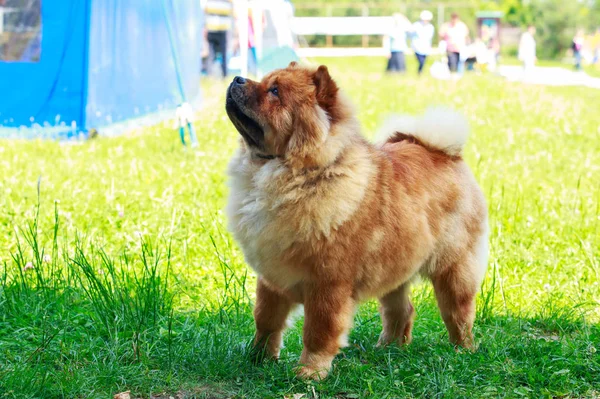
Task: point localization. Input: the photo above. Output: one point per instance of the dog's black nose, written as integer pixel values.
(238, 80)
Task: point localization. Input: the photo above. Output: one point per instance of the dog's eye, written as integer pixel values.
(274, 91)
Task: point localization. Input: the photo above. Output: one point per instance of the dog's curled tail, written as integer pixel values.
(440, 128)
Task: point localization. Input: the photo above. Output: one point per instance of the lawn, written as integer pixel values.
(117, 272)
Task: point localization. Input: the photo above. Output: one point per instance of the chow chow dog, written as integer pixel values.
(328, 219)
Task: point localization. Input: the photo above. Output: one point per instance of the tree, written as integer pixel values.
(556, 22)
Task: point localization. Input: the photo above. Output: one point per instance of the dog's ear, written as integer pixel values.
(326, 91)
(293, 64)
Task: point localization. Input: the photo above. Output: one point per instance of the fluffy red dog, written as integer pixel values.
(328, 219)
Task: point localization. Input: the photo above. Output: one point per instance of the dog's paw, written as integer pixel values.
(309, 373)
(469, 347)
(258, 354)
(385, 340)
(465, 343)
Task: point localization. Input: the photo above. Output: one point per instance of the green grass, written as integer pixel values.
(133, 282)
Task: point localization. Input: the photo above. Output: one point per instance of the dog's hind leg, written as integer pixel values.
(270, 315)
(456, 280)
(456, 300)
(397, 315)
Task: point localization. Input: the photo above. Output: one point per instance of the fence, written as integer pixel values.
(361, 39)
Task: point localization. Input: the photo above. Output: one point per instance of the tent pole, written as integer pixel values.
(86, 61)
(242, 7)
(193, 138)
(257, 20)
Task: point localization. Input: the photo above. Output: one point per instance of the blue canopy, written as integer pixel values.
(68, 66)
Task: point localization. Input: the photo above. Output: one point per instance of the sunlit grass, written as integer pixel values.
(128, 279)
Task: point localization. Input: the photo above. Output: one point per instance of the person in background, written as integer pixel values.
(205, 55)
(527, 49)
(397, 44)
(219, 21)
(456, 35)
(596, 47)
(252, 61)
(487, 49)
(494, 48)
(577, 46)
(251, 45)
(483, 55)
(422, 36)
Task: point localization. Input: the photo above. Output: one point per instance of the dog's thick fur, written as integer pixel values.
(328, 219)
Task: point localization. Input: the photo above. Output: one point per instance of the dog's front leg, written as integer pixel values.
(328, 311)
(270, 314)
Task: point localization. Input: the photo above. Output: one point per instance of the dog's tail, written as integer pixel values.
(440, 128)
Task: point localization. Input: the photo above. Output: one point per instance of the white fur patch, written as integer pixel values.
(375, 241)
(481, 253)
(343, 339)
(295, 313)
(323, 122)
(441, 128)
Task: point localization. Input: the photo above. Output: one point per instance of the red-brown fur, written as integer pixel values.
(334, 220)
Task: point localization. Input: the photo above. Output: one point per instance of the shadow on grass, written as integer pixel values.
(75, 322)
(52, 344)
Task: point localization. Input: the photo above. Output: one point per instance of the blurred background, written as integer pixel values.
(80, 66)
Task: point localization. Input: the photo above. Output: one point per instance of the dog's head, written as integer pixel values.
(293, 113)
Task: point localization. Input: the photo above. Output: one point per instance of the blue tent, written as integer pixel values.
(68, 66)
